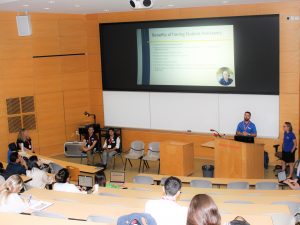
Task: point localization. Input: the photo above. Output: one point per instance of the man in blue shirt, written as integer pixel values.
(17, 165)
(246, 127)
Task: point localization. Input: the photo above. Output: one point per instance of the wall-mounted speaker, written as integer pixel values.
(24, 25)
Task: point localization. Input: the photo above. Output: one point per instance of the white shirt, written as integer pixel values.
(14, 204)
(66, 187)
(39, 178)
(166, 212)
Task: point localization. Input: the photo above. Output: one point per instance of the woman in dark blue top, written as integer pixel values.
(288, 147)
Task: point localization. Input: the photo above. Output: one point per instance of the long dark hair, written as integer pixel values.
(100, 178)
(203, 211)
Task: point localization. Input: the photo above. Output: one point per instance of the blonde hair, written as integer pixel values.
(21, 134)
(13, 184)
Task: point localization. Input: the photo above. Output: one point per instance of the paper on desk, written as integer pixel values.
(39, 205)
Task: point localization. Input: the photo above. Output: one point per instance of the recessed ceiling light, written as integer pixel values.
(170, 5)
(77, 6)
(26, 5)
(51, 2)
(46, 8)
(225, 2)
(106, 10)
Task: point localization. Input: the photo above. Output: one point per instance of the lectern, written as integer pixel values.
(176, 158)
(238, 160)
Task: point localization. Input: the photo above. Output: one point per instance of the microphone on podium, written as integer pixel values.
(217, 133)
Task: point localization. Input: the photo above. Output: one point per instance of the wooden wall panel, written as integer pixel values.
(289, 63)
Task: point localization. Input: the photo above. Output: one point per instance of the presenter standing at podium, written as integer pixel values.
(246, 127)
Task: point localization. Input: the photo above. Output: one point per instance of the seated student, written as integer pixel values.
(62, 179)
(167, 210)
(17, 165)
(293, 184)
(100, 181)
(39, 177)
(90, 142)
(203, 211)
(24, 141)
(111, 146)
(10, 200)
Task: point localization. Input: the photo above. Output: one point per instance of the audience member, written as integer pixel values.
(10, 200)
(167, 210)
(17, 165)
(90, 142)
(62, 179)
(203, 211)
(39, 177)
(100, 178)
(24, 141)
(111, 146)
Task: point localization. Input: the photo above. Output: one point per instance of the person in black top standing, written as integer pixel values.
(90, 142)
(111, 146)
(24, 141)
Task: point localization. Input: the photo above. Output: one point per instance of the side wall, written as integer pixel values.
(61, 85)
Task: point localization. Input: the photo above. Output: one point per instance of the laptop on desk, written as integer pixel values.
(117, 177)
(85, 182)
(281, 177)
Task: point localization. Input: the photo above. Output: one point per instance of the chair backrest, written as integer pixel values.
(48, 214)
(238, 185)
(238, 202)
(2, 180)
(294, 207)
(201, 183)
(137, 148)
(101, 219)
(143, 180)
(154, 149)
(162, 181)
(266, 186)
(282, 219)
(55, 167)
(74, 173)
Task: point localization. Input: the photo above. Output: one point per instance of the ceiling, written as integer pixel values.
(97, 6)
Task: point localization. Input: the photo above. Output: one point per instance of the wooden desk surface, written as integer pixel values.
(8, 218)
(218, 191)
(216, 181)
(138, 203)
(210, 144)
(83, 168)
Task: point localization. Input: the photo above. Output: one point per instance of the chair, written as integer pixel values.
(293, 206)
(74, 173)
(143, 180)
(238, 202)
(48, 214)
(238, 185)
(266, 186)
(136, 152)
(162, 181)
(101, 219)
(152, 155)
(55, 167)
(281, 219)
(201, 183)
(2, 180)
(118, 154)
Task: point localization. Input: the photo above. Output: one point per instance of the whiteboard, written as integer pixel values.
(264, 110)
(126, 109)
(182, 112)
(197, 112)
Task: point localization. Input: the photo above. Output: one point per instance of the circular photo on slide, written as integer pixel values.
(225, 76)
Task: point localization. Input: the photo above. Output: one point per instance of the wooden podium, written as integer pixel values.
(176, 158)
(238, 160)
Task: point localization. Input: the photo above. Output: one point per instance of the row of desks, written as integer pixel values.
(78, 206)
(216, 181)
